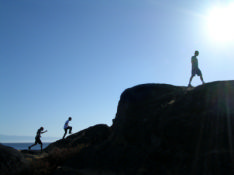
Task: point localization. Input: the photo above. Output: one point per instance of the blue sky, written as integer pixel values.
(74, 58)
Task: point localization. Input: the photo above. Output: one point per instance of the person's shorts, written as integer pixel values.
(196, 71)
(38, 140)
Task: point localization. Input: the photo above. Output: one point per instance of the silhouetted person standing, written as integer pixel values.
(195, 69)
(38, 138)
(67, 127)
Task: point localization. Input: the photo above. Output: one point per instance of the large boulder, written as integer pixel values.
(170, 117)
(11, 161)
(165, 129)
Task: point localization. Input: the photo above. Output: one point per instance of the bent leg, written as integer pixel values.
(70, 129)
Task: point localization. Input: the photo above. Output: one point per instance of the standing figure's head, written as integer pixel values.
(196, 53)
(42, 128)
(69, 118)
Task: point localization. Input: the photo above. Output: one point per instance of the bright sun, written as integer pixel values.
(220, 23)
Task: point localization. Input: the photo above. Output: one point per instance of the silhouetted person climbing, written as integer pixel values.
(195, 69)
(66, 127)
(37, 138)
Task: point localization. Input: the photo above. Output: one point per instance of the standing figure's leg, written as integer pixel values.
(202, 79)
(190, 80)
(41, 146)
(199, 73)
(40, 142)
(65, 130)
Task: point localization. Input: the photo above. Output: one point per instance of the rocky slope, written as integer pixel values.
(90, 136)
(159, 129)
(165, 129)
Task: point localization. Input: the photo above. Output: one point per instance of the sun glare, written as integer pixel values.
(220, 23)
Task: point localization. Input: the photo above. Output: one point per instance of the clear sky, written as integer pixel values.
(75, 57)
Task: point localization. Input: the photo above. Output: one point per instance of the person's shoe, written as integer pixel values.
(70, 132)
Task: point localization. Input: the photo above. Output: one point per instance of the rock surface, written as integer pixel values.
(165, 129)
(158, 129)
(90, 136)
(11, 161)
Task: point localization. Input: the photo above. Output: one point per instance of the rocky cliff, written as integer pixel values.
(165, 129)
(158, 129)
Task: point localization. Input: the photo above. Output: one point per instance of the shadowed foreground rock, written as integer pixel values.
(11, 161)
(164, 129)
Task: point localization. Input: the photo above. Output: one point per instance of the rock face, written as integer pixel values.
(170, 117)
(191, 130)
(165, 129)
(11, 161)
(158, 129)
(90, 136)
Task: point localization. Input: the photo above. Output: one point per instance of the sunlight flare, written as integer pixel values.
(220, 23)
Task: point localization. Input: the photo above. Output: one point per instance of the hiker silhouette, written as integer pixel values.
(195, 69)
(38, 138)
(67, 127)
